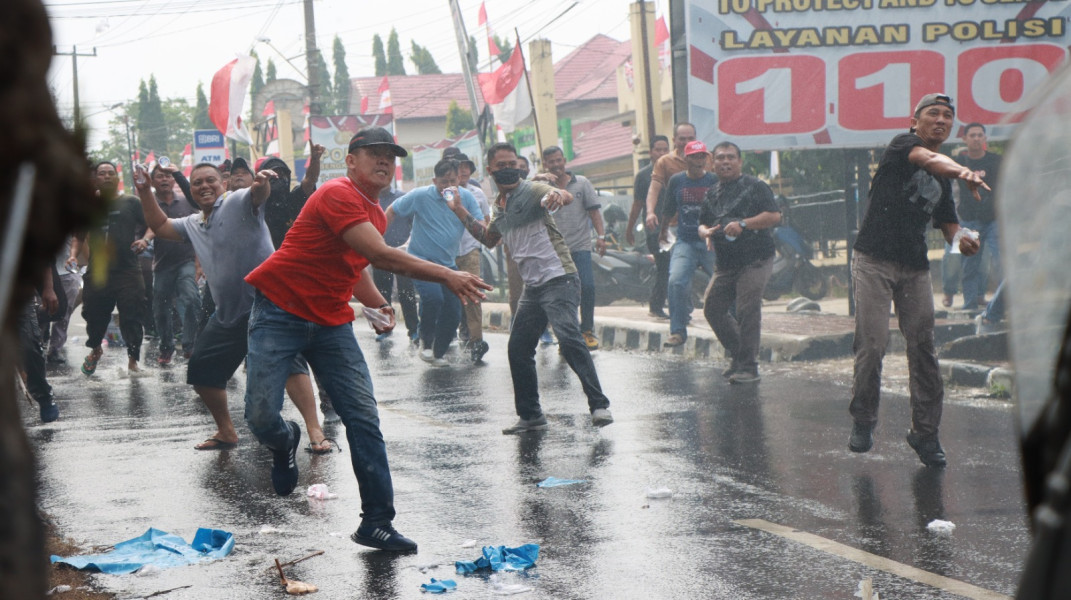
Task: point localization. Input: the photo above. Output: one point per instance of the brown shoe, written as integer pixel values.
(674, 340)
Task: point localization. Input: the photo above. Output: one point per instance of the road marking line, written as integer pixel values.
(872, 560)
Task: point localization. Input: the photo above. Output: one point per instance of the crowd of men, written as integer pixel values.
(248, 268)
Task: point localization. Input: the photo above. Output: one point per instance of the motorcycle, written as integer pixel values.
(792, 267)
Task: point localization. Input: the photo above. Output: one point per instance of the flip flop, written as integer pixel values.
(312, 446)
(89, 365)
(215, 444)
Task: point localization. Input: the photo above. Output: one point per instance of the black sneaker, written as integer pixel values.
(478, 348)
(862, 438)
(732, 370)
(383, 537)
(49, 410)
(284, 471)
(525, 425)
(928, 448)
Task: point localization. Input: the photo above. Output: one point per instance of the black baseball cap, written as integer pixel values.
(375, 136)
(241, 163)
(463, 159)
(934, 99)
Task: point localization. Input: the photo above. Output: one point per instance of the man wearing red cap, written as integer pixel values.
(911, 190)
(302, 307)
(685, 193)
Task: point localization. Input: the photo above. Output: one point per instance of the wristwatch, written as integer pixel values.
(742, 223)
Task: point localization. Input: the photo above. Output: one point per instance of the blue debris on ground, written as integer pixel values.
(501, 558)
(157, 548)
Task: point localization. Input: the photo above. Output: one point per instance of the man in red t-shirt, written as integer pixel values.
(302, 306)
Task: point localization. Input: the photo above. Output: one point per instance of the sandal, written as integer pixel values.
(215, 444)
(317, 447)
(89, 365)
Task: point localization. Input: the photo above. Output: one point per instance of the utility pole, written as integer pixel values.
(74, 67)
(311, 56)
(645, 69)
(462, 50)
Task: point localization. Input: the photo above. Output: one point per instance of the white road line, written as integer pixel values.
(874, 561)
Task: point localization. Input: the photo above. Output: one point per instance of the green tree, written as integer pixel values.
(395, 62)
(269, 72)
(425, 63)
(458, 120)
(380, 55)
(151, 125)
(201, 119)
(326, 93)
(257, 82)
(504, 46)
(342, 78)
(474, 55)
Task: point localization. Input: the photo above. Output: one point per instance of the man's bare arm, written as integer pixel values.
(652, 202)
(308, 182)
(943, 166)
(155, 218)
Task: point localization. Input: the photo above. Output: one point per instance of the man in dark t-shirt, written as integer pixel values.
(736, 220)
(114, 277)
(640, 187)
(979, 215)
(910, 191)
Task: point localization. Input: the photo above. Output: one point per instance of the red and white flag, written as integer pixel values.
(385, 104)
(119, 172)
(492, 48)
(506, 90)
(661, 42)
(150, 159)
(229, 86)
(364, 105)
(269, 109)
(187, 160)
(482, 20)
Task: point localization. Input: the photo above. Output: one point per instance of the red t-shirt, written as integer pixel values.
(313, 273)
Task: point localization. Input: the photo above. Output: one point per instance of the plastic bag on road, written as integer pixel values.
(501, 558)
(555, 482)
(155, 547)
(439, 586)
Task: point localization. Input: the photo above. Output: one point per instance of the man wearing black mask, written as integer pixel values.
(551, 286)
(284, 204)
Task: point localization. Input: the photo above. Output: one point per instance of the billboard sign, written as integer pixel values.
(334, 133)
(209, 146)
(779, 74)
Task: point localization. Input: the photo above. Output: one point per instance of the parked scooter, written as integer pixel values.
(792, 267)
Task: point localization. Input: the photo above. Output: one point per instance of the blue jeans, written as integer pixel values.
(177, 287)
(994, 311)
(975, 270)
(275, 338)
(683, 260)
(585, 271)
(554, 301)
(440, 314)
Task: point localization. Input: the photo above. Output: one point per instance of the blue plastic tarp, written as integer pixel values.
(439, 586)
(555, 482)
(501, 558)
(155, 547)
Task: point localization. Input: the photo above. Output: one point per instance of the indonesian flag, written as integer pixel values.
(661, 41)
(385, 106)
(492, 48)
(483, 16)
(119, 172)
(229, 86)
(506, 90)
(269, 109)
(150, 159)
(364, 105)
(187, 160)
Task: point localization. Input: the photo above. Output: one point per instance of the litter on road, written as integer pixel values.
(555, 482)
(501, 558)
(155, 547)
(941, 527)
(439, 586)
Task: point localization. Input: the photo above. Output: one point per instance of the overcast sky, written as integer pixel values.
(183, 42)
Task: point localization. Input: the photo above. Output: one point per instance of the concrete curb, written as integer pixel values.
(628, 334)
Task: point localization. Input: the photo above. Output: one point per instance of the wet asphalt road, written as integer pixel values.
(121, 460)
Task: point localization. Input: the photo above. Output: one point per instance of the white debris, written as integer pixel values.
(662, 492)
(59, 589)
(468, 544)
(500, 587)
(865, 590)
(319, 491)
(941, 527)
(148, 571)
(268, 530)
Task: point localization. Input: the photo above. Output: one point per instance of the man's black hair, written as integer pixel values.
(209, 165)
(445, 167)
(729, 145)
(495, 148)
(658, 138)
(551, 150)
(969, 126)
(104, 162)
